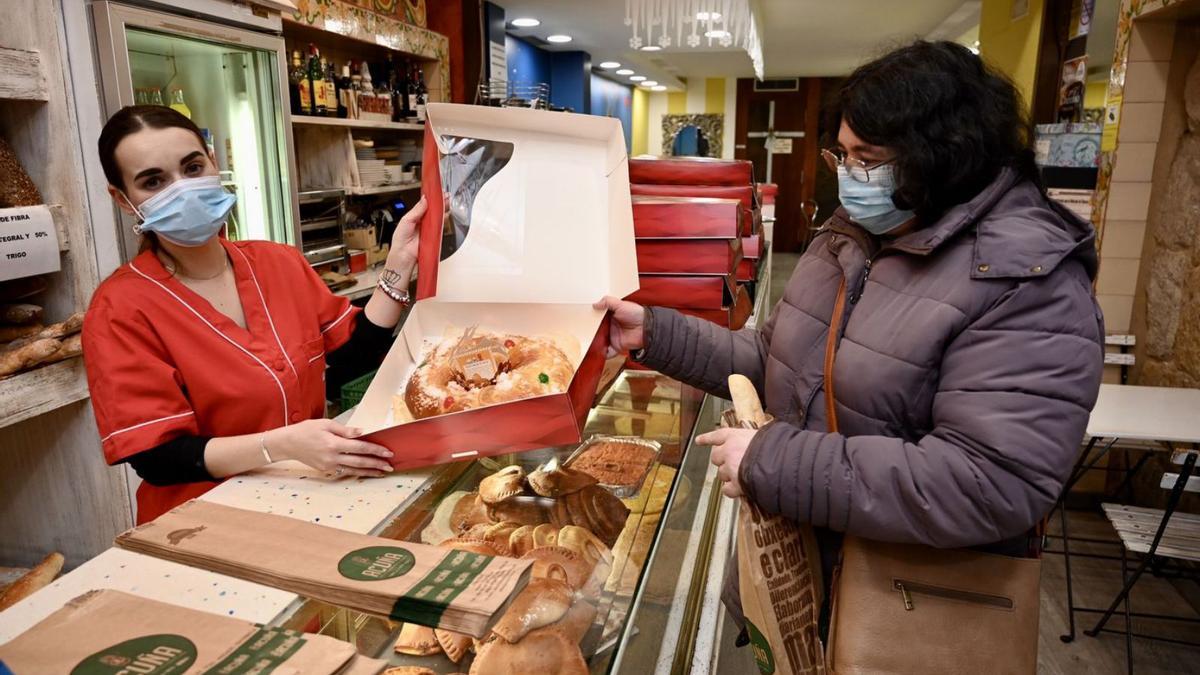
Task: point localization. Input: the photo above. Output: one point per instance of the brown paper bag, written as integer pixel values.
(108, 631)
(436, 587)
(779, 577)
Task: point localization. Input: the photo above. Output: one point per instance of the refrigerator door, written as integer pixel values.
(232, 83)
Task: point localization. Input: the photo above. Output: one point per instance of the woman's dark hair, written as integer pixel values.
(953, 122)
(129, 120)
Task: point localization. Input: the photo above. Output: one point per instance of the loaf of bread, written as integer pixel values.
(70, 347)
(34, 580)
(27, 356)
(16, 188)
(20, 314)
(11, 333)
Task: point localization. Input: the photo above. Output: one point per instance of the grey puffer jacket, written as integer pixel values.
(969, 360)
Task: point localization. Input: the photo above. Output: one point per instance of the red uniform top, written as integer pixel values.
(163, 363)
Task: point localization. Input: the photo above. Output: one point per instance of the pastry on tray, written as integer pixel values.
(618, 462)
(478, 368)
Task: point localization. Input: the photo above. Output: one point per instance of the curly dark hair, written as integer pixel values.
(953, 121)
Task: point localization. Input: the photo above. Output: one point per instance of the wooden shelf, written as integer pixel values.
(310, 120)
(384, 189)
(41, 390)
(21, 77)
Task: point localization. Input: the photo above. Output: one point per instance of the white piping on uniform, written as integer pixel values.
(316, 357)
(337, 320)
(268, 311)
(183, 302)
(139, 426)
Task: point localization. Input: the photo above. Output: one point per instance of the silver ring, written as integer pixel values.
(339, 471)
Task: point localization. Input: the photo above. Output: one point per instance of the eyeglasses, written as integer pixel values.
(860, 171)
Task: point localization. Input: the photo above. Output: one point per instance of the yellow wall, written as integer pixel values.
(641, 119)
(714, 95)
(677, 103)
(1012, 46)
(1095, 93)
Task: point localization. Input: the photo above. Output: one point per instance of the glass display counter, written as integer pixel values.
(647, 608)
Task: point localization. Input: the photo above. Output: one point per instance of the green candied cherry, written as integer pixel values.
(543, 378)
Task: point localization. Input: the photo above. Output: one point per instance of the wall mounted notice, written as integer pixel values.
(28, 242)
(781, 146)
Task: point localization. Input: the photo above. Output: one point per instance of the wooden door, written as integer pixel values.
(771, 116)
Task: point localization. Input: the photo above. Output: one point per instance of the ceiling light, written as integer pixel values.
(658, 88)
(527, 22)
(558, 39)
(708, 16)
(637, 78)
(609, 65)
(649, 83)
(652, 48)
(624, 71)
(716, 34)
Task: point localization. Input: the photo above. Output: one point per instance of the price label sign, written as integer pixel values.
(781, 146)
(28, 242)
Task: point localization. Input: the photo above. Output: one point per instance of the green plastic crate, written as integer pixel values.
(354, 390)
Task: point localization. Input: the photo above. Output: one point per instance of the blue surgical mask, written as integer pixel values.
(188, 212)
(870, 204)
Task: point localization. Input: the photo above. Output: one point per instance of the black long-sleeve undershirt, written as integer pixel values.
(181, 460)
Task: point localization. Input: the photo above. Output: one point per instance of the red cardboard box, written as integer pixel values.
(694, 292)
(661, 217)
(734, 316)
(691, 171)
(545, 232)
(742, 193)
(688, 256)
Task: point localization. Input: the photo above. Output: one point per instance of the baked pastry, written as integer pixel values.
(542, 602)
(594, 509)
(478, 369)
(503, 484)
(615, 461)
(16, 188)
(553, 480)
(417, 640)
(32, 581)
(546, 650)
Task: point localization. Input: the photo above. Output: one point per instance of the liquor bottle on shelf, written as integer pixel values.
(156, 96)
(331, 99)
(178, 104)
(411, 87)
(403, 111)
(316, 80)
(422, 95)
(345, 93)
(301, 95)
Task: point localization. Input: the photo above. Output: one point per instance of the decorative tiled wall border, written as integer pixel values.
(352, 20)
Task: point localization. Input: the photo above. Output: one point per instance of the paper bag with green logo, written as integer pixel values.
(109, 632)
(441, 588)
(779, 570)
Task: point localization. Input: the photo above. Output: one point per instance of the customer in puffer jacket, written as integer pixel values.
(971, 350)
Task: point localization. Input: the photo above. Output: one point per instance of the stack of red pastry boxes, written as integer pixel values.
(699, 236)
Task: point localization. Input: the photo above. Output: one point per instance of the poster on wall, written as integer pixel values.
(1071, 90)
(1081, 17)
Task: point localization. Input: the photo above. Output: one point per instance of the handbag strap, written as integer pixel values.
(831, 345)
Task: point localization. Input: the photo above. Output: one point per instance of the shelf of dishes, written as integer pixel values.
(547, 505)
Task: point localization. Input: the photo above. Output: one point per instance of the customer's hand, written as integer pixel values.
(729, 447)
(328, 446)
(627, 333)
(403, 254)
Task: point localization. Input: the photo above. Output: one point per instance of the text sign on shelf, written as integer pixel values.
(781, 146)
(28, 242)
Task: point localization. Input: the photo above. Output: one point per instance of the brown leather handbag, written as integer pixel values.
(904, 608)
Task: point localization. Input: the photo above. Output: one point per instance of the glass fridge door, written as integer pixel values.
(230, 82)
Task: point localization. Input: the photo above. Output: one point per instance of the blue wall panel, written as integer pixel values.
(613, 99)
(527, 64)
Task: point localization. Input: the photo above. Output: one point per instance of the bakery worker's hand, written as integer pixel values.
(627, 333)
(403, 254)
(328, 446)
(729, 447)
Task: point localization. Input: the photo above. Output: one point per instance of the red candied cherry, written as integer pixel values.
(509, 344)
(448, 402)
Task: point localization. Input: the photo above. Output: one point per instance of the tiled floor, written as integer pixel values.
(1096, 583)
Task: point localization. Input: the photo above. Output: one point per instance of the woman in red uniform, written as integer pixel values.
(207, 358)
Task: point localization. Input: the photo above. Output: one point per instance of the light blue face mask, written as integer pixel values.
(870, 204)
(188, 212)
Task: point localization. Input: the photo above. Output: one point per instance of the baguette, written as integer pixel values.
(55, 331)
(27, 356)
(746, 405)
(20, 314)
(33, 581)
(71, 346)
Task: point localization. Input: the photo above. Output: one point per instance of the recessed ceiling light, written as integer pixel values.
(527, 22)
(658, 88)
(708, 16)
(716, 34)
(652, 48)
(624, 71)
(609, 65)
(558, 38)
(637, 78)
(649, 83)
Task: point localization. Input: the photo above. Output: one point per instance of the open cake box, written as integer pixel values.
(538, 227)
